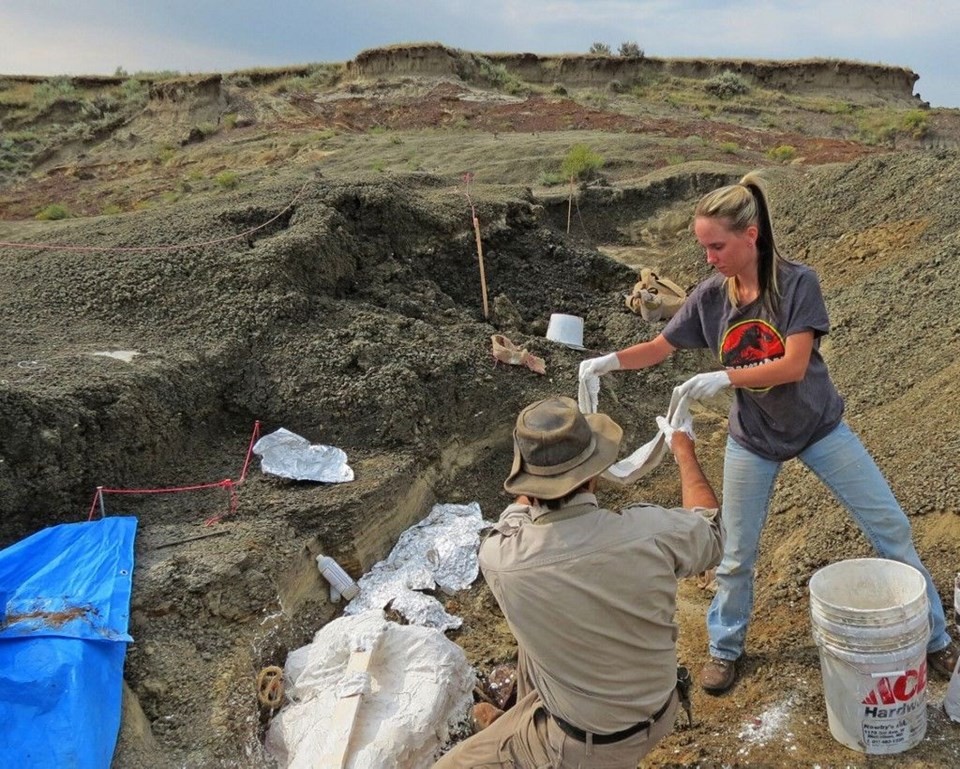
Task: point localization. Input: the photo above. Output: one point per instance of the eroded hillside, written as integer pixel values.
(329, 283)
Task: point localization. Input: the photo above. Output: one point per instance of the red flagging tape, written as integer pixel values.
(226, 483)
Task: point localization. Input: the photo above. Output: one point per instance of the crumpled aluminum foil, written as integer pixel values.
(289, 455)
(439, 552)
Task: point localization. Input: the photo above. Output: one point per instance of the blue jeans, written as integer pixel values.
(843, 464)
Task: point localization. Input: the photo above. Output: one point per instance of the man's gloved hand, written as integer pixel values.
(686, 426)
(705, 385)
(599, 366)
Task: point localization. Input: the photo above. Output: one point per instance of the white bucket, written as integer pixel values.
(869, 619)
(566, 329)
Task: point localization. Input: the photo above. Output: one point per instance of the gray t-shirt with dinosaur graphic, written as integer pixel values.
(776, 422)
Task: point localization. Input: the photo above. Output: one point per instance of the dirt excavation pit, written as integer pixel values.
(356, 321)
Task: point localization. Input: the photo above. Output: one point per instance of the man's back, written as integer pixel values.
(590, 595)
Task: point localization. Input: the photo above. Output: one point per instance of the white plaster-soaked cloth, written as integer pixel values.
(417, 687)
(651, 453)
(588, 394)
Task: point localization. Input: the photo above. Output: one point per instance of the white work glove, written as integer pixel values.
(704, 385)
(588, 392)
(668, 430)
(599, 366)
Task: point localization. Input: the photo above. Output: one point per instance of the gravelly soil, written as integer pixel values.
(356, 320)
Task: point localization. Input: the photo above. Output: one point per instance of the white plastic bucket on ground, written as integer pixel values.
(566, 329)
(869, 618)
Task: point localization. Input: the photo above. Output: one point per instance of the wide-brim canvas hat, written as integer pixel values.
(557, 449)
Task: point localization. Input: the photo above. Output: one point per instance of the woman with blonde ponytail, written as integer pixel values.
(764, 317)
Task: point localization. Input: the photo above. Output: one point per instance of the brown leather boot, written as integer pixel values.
(944, 661)
(718, 675)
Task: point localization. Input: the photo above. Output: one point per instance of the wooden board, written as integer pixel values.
(345, 713)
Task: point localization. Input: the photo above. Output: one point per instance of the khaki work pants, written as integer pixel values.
(526, 737)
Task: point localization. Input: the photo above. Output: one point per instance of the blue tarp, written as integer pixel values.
(66, 591)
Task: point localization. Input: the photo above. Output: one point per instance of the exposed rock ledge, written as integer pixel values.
(855, 80)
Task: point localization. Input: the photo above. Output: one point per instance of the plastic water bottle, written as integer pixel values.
(341, 583)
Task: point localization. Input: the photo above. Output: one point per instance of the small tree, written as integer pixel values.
(631, 50)
(600, 48)
(579, 163)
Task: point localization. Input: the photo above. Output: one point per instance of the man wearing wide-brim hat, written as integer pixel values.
(590, 595)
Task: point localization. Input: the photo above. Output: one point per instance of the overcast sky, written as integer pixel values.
(49, 37)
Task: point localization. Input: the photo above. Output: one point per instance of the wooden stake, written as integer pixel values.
(569, 205)
(483, 276)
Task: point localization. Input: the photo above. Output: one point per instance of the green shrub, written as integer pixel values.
(726, 84)
(164, 154)
(133, 90)
(730, 148)
(600, 48)
(559, 89)
(580, 163)
(20, 137)
(783, 153)
(915, 123)
(500, 77)
(316, 77)
(292, 85)
(226, 180)
(877, 128)
(54, 89)
(53, 212)
(111, 210)
(615, 86)
(631, 50)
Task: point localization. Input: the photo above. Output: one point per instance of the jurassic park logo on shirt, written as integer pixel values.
(751, 343)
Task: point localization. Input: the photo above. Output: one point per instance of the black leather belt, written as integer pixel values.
(605, 739)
